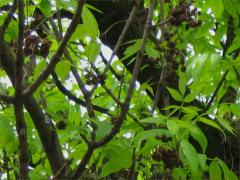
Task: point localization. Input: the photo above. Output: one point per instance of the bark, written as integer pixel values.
(42, 123)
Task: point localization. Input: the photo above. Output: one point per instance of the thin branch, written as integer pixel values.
(9, 16)
(84, 161)
(139, 59)
(122, 36)
(237, 73)
(114, 24)
(6, 98)
(56, 57)
(159, 85)
(118, 76)
(86, 94)
(18, 104)
(125, 107)
(136, 120)
(162, 23)
(108, 91)
(74, 98)
(132, 169)
(216, 90)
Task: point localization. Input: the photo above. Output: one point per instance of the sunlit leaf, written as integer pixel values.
(215, 171)
(118, 154)
(46, 7)
(192, 157)
(90, 23)
(228, 174)
(92, 50)
(175, 94)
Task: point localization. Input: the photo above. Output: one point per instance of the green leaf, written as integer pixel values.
(225, 124)
(175, 94)
(229, 6)
(178, 127)
(150, 50)
(202, 161)
(149, 134)
(103, 128)
(80, 32)
(67, 5)
(191, 154)
(217, 7)
(235, 108)
(46, 7)
(182, 83)
(92, 50)
(4, 2)
(228, 174)
(156, 120)
(12, 30)
(90, 23)
(7, 138)
(190, 97)
(211, 123)
(198, 135)
(133, 49)
(179, 174)
(215, 171)
(234, 45)
(118, 154)
(62, 69)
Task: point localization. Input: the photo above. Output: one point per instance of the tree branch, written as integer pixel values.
(56, 57)
(125, 107)
(48, 137)
(6, 98)
(74, 98)
(18, 104)
(122, 36)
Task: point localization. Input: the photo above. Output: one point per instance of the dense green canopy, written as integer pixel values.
(119, 89)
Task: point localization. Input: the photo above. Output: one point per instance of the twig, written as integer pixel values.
(56, 57)
(6, 98)
(74, 98)
(216, 90)
(237, 73)
(160, 83)
(122, 36)
(9, 16)
(118, 76)
(86, 94)
(114, 24)
(18, 104)
(162, 23)
(132, 169)
(81, 167)
(62, 169)
(136, 120)
(108, 91)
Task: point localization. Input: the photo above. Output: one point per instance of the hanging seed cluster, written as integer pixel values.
(185, 12)
(34, 43)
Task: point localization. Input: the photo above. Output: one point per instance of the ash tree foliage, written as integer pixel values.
(119, 89)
